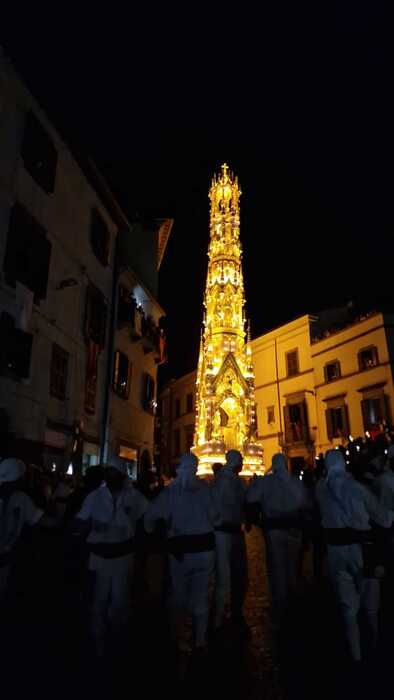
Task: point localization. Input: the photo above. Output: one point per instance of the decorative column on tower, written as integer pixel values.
(225, 405)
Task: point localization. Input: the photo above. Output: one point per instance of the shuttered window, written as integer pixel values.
(148, 393)
(292, 365)
(59, 372)
(337, 420)
(296, 422)
(99, 237)
(28, 253)
(39, 153)
(122, 375)
(95, 316)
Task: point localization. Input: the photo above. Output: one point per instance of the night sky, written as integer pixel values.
(297, 100)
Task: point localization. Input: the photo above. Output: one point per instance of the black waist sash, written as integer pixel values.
(341, 536)
(191, 544)
(289, 522)
(112, 550)
(230, 528)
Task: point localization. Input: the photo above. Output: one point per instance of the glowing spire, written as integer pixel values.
(225, 410)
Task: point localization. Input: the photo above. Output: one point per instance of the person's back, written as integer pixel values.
(279, 494)
(347, 508)
(189, 508)
(228, 494)
(281, 499)
(185, 506)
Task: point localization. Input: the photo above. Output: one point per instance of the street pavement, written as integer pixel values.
(46, 651)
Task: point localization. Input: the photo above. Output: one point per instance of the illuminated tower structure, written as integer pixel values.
(225, 406)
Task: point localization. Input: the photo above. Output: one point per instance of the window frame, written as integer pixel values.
(100, 249)
(116, 387)
(58, 354)
(189, 408)
(360, 352)
(146, 403)
(287, 355)
(328, 364)
(269, 409)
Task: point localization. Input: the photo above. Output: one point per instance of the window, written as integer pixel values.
(375, 409)
(59, 371)
(27, 253)
(177, 408)
(177, 442)
(39, 154)
(99, 237)
(95, 316)
(337, 422)
(126, 306)
(189, 436)
(296, 422)
(15, 348)
(271, 414)
(332, 371)
(368, 358)
(122, 375)
(189, 403)
(292, 363)
(148, 393)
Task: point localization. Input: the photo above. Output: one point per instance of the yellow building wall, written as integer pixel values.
(344, 347)
(274, 388)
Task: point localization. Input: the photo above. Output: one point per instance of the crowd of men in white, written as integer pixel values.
(204, 524)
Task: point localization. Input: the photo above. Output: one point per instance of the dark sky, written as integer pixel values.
(298, 100)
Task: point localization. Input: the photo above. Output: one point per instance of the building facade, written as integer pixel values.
(175, 420)
(318, 383)
(59, 263)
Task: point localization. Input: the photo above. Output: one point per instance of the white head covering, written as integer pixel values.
(233, 459)
(186, 470)
(336, 468)
(279, 464)
(11, 469)
(335, 463)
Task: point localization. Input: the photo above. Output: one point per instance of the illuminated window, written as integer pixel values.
(292, 365)
(122, 375)
(189, 403)
(368, 358)
(337, 422)
(58, 374)
(332, 371)
(296, 422)
(271, 414)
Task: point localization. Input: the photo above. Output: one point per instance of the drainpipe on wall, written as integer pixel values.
(104, 433)
(279, 404)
